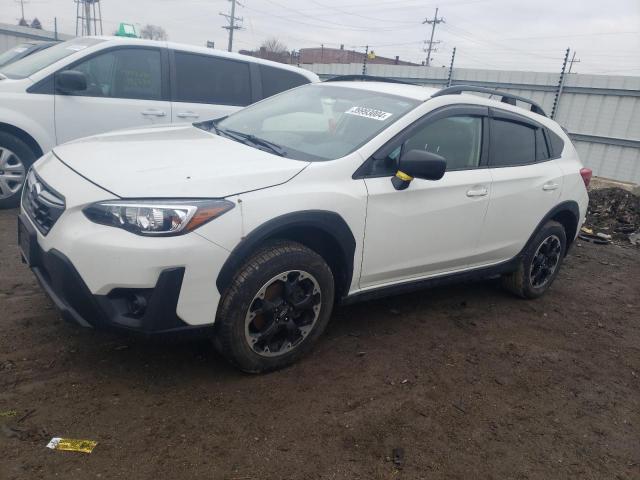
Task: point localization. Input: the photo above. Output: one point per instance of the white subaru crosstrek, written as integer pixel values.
(257, 223)
(93, 85)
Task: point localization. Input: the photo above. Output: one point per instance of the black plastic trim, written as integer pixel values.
(366, 78)
(412, 286)
(329, 222)
(506, 97)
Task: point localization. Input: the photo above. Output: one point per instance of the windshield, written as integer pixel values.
(15, 52)
(316, 122)
(34, 63)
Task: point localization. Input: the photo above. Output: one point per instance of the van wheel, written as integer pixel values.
(540, 263)
(15, 159)
(277, 306)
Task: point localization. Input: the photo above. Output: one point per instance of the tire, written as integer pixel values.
(551, 239)
(15, 159)
(246, 331)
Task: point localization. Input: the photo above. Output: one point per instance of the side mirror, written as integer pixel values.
(418, 164)
(70, 81)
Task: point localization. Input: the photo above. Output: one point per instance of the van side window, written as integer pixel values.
(134, 73)
(512, 143)
(276, 80)
(209, 79)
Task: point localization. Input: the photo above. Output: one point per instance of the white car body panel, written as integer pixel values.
(79, 116)
(207, 165)
(440, 227)
(433, 228)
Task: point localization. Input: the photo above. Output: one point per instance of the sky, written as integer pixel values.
(527, 35)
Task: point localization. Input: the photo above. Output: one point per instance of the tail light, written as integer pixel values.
(586, 175)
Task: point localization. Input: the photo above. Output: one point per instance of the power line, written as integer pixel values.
(232, 19)
(433, 22)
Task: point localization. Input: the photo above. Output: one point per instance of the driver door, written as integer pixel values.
(432, 227)
(126, 88)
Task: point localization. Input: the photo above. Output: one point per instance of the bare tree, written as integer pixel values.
(153, 32)
(273, 45)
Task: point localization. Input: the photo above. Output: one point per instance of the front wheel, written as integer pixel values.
(540, 262)
(15, 159)
(277, 306)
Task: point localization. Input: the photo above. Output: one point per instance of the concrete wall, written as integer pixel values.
(12, 35)
(602, 112)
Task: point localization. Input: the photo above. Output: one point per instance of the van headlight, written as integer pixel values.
(157, 217)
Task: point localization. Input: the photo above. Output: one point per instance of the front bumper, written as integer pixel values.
(72, 297)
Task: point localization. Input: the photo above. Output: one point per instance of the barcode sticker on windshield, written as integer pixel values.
(369, 113)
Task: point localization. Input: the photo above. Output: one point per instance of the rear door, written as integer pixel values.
(526, 184)
(206, 86)
(126, 88)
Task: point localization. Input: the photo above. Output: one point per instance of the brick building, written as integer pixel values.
(323, 55)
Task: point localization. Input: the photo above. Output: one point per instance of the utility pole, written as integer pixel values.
(433, 22)
(21, 8)
(556, 101)
(232, 23)
(572, 61)
(453, 57)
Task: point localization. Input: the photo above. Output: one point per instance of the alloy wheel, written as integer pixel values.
(545, 261)
(283, 313)
(12, 173)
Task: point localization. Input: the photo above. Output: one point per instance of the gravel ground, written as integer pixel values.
(469, 381)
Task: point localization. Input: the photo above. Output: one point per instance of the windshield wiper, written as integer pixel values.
(244, 137)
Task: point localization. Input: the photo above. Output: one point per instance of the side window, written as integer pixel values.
(557, 144)
(458, 139)
(208, 79)
(134, 73)
(542, 150)
(276, 80)
(512, 143)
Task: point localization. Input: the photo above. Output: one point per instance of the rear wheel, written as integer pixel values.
(15, 159)
(277, 306)
(540, 263)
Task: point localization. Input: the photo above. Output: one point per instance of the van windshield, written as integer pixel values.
(315, 122)
(34, 63)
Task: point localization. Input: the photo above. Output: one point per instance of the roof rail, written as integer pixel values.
(365, 78)
(506, 97)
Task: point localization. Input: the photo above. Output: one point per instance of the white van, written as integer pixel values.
(97, 84)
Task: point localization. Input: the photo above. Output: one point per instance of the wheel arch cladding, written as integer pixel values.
(323, 232)
(566, 214)
(24, 136)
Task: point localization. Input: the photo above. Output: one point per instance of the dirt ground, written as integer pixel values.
(467, 380)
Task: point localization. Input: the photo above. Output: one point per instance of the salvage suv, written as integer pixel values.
(256, 224)
(94, 85)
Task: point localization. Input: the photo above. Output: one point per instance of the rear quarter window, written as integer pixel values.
(557, 144)
(276, 80)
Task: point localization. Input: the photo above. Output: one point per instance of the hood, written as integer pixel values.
(175, 161)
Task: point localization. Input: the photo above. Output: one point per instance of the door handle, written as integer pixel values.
(188, 115)
(153, 113)
(549, 186)
(477, 191)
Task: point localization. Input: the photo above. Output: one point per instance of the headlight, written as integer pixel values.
(157, 217)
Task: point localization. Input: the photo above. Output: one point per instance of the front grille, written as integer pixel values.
(42, 203)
